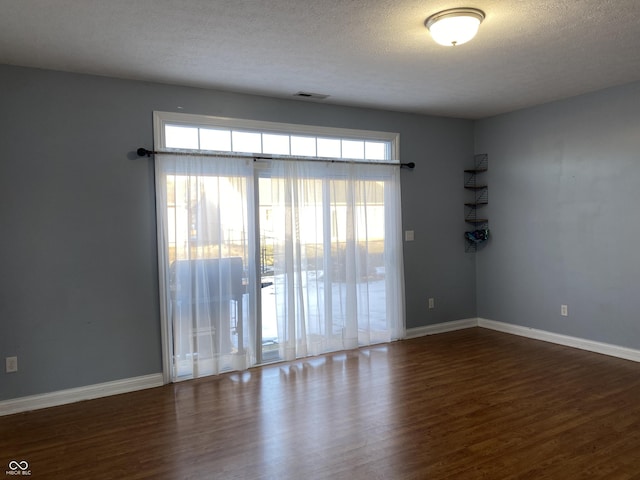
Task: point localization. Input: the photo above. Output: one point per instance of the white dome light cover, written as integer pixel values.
(454, 26)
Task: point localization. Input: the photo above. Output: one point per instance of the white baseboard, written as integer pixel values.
(62, 397)
(566, 340)
(441, 328)
(575, 342)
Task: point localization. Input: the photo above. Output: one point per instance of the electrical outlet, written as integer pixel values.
(408, 236)
(564, 310)
(11, 364)
(432, 303)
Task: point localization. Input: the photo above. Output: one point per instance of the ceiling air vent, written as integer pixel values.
(314, 96)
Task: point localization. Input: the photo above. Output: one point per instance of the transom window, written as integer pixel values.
(188, 132)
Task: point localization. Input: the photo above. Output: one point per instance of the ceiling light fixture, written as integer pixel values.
(454, 26)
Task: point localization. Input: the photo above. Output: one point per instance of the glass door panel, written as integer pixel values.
(268, 325)
(208, 261)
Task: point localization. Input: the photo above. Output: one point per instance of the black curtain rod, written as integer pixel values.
(143, 152)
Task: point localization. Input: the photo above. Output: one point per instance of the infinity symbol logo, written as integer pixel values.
(23, 465)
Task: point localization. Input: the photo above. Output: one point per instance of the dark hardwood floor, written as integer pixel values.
(470, 404)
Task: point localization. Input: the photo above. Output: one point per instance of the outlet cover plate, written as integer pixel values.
(11, 364)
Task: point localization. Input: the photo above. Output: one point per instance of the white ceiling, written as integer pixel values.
(374, 53)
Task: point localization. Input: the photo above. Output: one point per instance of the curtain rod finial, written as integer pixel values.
(143, 151)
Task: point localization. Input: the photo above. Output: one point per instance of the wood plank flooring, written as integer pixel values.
(470, 404)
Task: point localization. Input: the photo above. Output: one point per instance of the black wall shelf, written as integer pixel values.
(478, 197)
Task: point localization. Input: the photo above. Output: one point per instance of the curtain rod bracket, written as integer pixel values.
(143, 151)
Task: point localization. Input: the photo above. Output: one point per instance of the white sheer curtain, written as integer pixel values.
(337, 256)
(206, 263)
(336, 266)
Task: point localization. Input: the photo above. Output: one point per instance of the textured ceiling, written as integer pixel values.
(374, 53)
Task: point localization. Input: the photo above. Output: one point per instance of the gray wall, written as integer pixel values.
(563, 205)
(78, 288)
